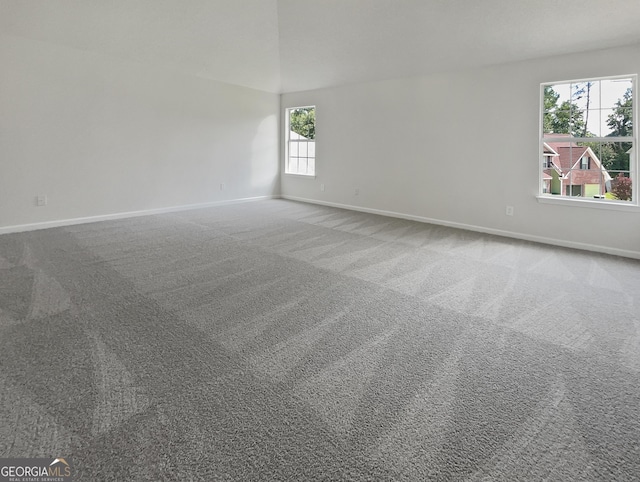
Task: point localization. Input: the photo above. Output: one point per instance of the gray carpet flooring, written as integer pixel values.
(282, 341)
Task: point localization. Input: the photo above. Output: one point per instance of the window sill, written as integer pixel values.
(303, 176)
(588, 203)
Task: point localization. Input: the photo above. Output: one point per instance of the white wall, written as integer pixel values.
(457, 147)
(100, 136)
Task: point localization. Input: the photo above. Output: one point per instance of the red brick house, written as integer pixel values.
(573, 170)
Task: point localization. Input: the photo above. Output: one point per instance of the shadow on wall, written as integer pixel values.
(263, 146)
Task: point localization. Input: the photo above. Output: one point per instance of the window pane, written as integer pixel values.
(577, 123)
(609, 123)
(555, 95)
(621, 186)
(587, 182)
(625, 116)
(302, 128)
(547, 123)
(616, 156)
(614, 90)
(586, 95)
(588, 109)
(618, 122)
(592, 119)
(562, 120)
(293, 149)
(302, 121)
(293, 164)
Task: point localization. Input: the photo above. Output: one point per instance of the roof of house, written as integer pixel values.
(547, 150)
(555, 144)
(568, 156)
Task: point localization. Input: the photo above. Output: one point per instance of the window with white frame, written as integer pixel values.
(587, 130)
(300, 141)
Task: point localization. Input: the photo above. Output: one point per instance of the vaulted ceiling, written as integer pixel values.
(292, 45)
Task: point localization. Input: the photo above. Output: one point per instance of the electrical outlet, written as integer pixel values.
(222, 186)
(509, 211)
(41, 200)
(322, 187)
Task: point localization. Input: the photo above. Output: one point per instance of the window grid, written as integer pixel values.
(596, 180)
(300, 150)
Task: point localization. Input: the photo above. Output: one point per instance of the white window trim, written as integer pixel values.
(610, 204)
(634, 171)
(286, 145)
(301, 176)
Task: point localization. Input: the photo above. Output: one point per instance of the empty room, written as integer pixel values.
(295, 240)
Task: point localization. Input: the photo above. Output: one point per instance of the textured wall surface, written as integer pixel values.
(100, 136)
(457, 147)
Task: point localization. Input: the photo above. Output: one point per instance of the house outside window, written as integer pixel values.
(587, 140)
(300, 141)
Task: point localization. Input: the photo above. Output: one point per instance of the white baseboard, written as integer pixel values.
(411, 217)
(130, 214)
(481, 229)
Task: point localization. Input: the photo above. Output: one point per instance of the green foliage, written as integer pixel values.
(568, 120)
(621, 124)
(550, 101)
(606, 153)
(303, 121)
(550, 98)
(614, 156)
(621, 120)
(621, 188)
(563, 119)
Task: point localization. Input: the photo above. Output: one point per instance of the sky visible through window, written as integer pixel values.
(602, 99)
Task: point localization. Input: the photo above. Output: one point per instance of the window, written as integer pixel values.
(300, 141)
(584, 163)
(587, 127)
